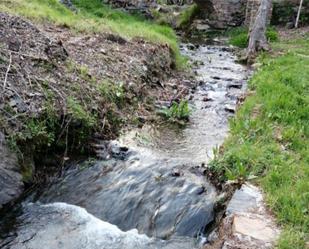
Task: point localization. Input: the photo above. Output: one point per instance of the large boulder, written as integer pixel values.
(11, 184)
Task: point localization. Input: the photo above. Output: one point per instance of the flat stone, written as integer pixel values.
(246, 199)
(257, 228)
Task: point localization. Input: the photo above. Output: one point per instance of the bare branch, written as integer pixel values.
(7, 73)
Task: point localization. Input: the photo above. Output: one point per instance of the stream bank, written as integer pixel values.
(63, 90)
(152, 179)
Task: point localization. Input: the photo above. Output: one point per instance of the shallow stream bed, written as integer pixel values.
(150, 191)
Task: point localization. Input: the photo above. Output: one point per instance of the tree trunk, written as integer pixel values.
(298, 13)
(257, 39)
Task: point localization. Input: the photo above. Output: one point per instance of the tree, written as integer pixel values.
(257, 38)
(298, 13)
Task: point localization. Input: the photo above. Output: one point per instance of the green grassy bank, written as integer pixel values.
(270, 138)
(93, 16)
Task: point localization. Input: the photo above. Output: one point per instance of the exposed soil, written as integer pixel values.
(43, 68)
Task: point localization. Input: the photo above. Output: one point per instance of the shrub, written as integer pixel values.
(239, 37)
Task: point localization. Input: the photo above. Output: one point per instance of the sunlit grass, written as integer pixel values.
(270, 139)
(93, 16)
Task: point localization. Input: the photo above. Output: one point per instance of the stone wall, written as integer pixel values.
(223, 13)
(231, 13)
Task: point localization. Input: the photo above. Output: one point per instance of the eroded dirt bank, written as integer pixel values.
(61, 89)
(91, 85)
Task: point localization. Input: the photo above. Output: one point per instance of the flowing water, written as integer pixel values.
(150, 191)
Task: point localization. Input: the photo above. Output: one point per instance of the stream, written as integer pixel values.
(150, 190)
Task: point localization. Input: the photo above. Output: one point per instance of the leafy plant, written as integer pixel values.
(177, 111)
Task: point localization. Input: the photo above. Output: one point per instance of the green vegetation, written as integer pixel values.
(112, 92)
(187, 15)
(78, 113)
(270, 139)
(93, 16)
(177, 112)
(239, 36)
(178, 21)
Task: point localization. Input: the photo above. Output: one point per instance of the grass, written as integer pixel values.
(93, 16)
(270, 139)
(187, 15)
(239, 36)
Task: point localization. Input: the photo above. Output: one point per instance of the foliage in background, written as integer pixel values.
(94, 16)
(270, 139)
(186, 17)
(239, 36)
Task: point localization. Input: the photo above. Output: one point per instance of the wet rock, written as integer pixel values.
(111, 149)
(11, 185)
(141, 194)
(200, 190)
(216, 77)
(176, 173)
(191, 46)
(60, 225)
(237, 85)
(230, 108)
(207, 98)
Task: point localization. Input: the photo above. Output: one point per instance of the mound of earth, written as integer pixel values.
(59, 88)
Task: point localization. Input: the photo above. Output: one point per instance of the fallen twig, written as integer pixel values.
(7, 73)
